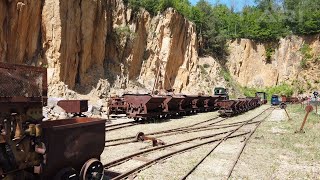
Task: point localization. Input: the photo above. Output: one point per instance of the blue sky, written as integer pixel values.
(238, 4)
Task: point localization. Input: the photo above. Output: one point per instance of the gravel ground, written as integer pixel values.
(216, 166)
(177, 166)
(276, 152)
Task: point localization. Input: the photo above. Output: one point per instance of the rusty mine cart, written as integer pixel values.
(34, 149)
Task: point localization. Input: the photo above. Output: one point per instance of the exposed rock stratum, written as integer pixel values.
(101, 47)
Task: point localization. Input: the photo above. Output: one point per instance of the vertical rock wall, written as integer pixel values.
(99, 44)
(248, 65)
(20, 34)
(102, 45)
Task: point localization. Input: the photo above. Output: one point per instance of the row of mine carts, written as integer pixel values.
(147, 106)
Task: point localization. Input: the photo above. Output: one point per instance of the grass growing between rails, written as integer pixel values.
(275, 151)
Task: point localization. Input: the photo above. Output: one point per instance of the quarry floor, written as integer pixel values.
(274, 151)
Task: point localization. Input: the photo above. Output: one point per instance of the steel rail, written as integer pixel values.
(194, 168)
(123, 175)
(169, 130)
(126, 158)
(242, 148)
(126, 174)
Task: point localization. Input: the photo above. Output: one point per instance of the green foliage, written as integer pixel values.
(283, 89)
(269, 53)
(306, 51)
(225, 74)
(303, 16)
(307, 55)
(268, 20)
(124, 31)
(249, 92)
(154, 6)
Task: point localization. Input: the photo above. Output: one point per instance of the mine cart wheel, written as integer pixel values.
(67, 174)
(92, 170)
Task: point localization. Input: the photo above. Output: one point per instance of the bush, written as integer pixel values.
(283, 89)
(249, 92)
(306, 51)
(225, 74)
(269, 53)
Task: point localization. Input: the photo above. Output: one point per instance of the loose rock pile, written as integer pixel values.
(54, 112)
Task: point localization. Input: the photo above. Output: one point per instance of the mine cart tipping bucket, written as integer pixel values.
(172, 103)
(152, 102)
(71, 142)
(117, 105)
(144, 105)
(227, 104)
(189, 103)
(202, 102)
(155, 102)
(74, 106)
(243, 105)
(212, 102)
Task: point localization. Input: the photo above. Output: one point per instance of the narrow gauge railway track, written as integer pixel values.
(120, 126)
(242, 149)
(238, 156)
(229, 134)
(133, 123)
(211, 126)
(132, 139)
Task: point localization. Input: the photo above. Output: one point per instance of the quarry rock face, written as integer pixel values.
(249, 66)
(83, 43)
(102, 47)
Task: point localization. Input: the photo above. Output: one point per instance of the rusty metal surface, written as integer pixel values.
(172, 103)
(237, 106)
(71, 142)
(25, 82)
(144, 105)
(189, 103)
(117, 105)
(74, 106)
(155, 142)
(202, 102)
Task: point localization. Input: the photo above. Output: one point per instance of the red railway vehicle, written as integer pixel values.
(172, 105)
(117, 105)
(144, 106)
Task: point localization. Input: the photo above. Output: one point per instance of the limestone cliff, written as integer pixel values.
(101, 45)
(98, 47)
(249, 65)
